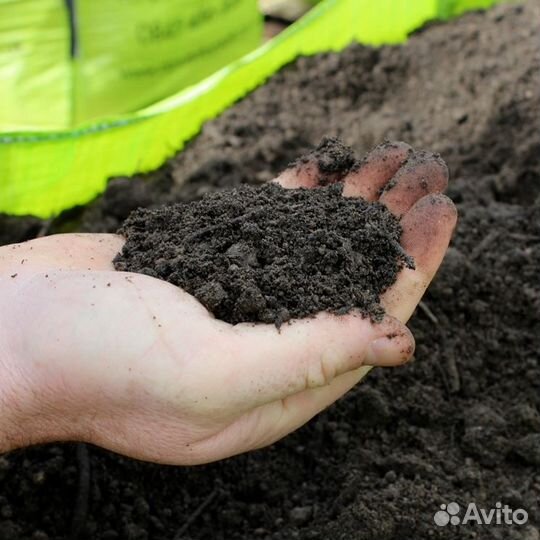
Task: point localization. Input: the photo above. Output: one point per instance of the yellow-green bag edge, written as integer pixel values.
(43, 173)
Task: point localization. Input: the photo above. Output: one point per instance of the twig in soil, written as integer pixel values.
(524, 237)
(429, 314)
(484, 244)
(449, 372)
(444, 377)
(453, 372)
(81, 504)
(195, 515)
(452, 435)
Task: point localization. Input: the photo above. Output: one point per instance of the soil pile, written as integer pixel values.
(461, 423)
(270, 254)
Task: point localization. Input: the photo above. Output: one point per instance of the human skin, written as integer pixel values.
(138, 366)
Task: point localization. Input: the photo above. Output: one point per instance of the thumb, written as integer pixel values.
(273, 364)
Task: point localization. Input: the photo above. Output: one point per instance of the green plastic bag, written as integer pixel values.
(35, 70)
(131, 53)
(45, 173)
(66, 62)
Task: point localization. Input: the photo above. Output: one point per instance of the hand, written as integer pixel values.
(136, 365)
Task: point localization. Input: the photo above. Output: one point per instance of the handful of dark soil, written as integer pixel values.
(269, 254)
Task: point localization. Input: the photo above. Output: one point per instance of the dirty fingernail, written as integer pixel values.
(390, 350)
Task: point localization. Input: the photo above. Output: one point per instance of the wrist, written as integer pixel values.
(15, 404)
(29, 408)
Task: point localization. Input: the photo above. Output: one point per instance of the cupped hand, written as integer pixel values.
(138, 366)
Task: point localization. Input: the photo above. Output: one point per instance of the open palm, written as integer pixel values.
(138, 366)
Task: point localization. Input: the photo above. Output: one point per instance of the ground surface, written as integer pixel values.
(461, 423)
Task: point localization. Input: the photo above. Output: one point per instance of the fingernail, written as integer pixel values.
(389, 351)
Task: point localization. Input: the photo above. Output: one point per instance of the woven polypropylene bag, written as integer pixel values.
(43, 173)
(66, 62)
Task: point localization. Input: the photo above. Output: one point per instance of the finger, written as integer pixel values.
(423, 173)
(270, 422)
(327, 164)
(60, 252)
(375, 170)
(427, 230)
(309, 353)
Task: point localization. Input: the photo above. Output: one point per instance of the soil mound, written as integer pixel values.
(269, 254)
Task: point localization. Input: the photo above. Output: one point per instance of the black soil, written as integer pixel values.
(460, 423)
(269, 254)
(332, 158)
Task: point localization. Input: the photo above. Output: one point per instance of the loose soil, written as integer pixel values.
(269, 254)
(460, 423)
